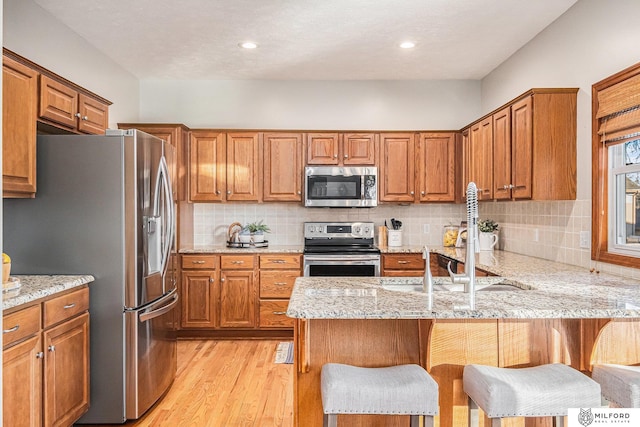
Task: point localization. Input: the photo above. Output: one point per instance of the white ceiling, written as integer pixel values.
(308, 39)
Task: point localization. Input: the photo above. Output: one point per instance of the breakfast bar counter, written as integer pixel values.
(552, 313)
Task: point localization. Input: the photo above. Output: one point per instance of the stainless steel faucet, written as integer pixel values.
(427, 282)
(468, 278)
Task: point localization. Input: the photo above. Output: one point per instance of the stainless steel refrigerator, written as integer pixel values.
(104, 206)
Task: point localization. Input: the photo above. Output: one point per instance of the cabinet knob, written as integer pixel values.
(299, 192)
(346, 156)
(52, 348)
(77, 115)
(422, 193)
(335, 156)
(217, 191)
(228, 191)
(221, 279)
(85, 118)
(39, 355)
(210, 279)
(412, 193)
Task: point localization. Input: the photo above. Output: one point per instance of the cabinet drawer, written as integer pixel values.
(21, 324)
(403, 262)
(403, 273)
(277, 284)
(273, 314)
(237, 262)
(204, 262)
(280, 262)
(65, 306)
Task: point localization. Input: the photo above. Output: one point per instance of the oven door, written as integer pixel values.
(341, 265)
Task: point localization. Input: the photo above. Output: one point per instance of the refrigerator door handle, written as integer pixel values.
(156, 312)
(163, 183)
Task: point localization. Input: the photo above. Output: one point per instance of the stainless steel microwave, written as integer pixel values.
(341, 187)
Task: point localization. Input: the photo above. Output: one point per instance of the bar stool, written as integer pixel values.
(620, 384)
(393, 390)
(539, 391)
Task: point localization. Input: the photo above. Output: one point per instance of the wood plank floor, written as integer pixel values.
(225, 383)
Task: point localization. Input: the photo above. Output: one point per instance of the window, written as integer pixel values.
(616, 169)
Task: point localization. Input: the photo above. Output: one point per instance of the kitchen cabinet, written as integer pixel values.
(238, 291)
(462, 168)
(46, 365)
(436, 167)
(342, 149)
(397, 167)
(200, 291)
(403, 265)
(244, 166)
(282, 156)
(502, 154)
(207, 166)
(278, 273)
(64, 106)
(481, 157)
(19, 115)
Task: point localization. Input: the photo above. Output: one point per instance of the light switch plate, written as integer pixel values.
(585, 239)
(426, 229)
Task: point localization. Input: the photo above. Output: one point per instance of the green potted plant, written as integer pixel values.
(257, 230)
(487, 238)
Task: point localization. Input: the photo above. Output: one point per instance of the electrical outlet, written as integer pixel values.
(536, 235)
(584, 239)
(426, 229)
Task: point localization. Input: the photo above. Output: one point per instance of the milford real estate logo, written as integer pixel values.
(597, 417)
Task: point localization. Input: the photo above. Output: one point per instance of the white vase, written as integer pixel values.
(244, 238)
(258, 237)
(487, 241)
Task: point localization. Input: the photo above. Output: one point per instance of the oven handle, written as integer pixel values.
(341, 259)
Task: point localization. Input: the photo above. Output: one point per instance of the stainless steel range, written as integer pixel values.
(340, 249)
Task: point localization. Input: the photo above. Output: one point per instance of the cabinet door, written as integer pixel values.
(502, 154)
(20, 103)
(359, 149)
(481, 155)
(94, 115)
(22, 384)
(282, 167)
(244, 168)
(200, 297)
(237, 299)
(436, 167)
(465, 153)
(207, 166)
(323, 148)
(58, 103)
(397, 167)
(66, 371)
(521, 148)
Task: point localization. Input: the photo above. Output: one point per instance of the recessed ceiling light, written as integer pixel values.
(248, 45)
(407, 45)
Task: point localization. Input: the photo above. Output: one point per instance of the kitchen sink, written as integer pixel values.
(443, 284)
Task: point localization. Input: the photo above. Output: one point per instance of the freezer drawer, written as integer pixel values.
(151, 353)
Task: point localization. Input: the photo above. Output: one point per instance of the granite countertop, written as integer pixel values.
(40, 286)
(221, 249)
(555, 290)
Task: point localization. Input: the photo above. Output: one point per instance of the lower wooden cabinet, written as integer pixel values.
(278, 273)
(238, 298)
(403, 265)
(46, 362)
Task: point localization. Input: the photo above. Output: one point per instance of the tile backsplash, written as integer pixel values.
(549, 230)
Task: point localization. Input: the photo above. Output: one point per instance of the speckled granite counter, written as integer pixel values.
(36, 287)
(220, 249)
(557, 291)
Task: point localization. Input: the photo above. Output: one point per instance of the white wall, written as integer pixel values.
(339, 105)
(32, 32)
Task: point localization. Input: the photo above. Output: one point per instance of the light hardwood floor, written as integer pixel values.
(225, 383)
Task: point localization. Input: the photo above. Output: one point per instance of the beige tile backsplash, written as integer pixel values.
(558, 225)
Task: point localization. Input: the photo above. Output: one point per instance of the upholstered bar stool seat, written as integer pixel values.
(620, 384)
(393, 390)
(539, 391)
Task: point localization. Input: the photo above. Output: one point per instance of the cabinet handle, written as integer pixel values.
(52, 348)
(237, 262)
(77, 115)
(15, 328)
(279, 313)
(197, 262)
(401, 261)
(39, 355)
(73, 304)
(280, 283)
(278, 261)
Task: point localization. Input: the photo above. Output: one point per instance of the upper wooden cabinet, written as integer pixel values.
(348, 149)
(282, 155)
(527, 148)
(436, 167)
(63, 105)
(244, 166)
(397, 166)
(19, 107)
(207, 166)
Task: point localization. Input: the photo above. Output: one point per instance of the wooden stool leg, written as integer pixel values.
(330, 420)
